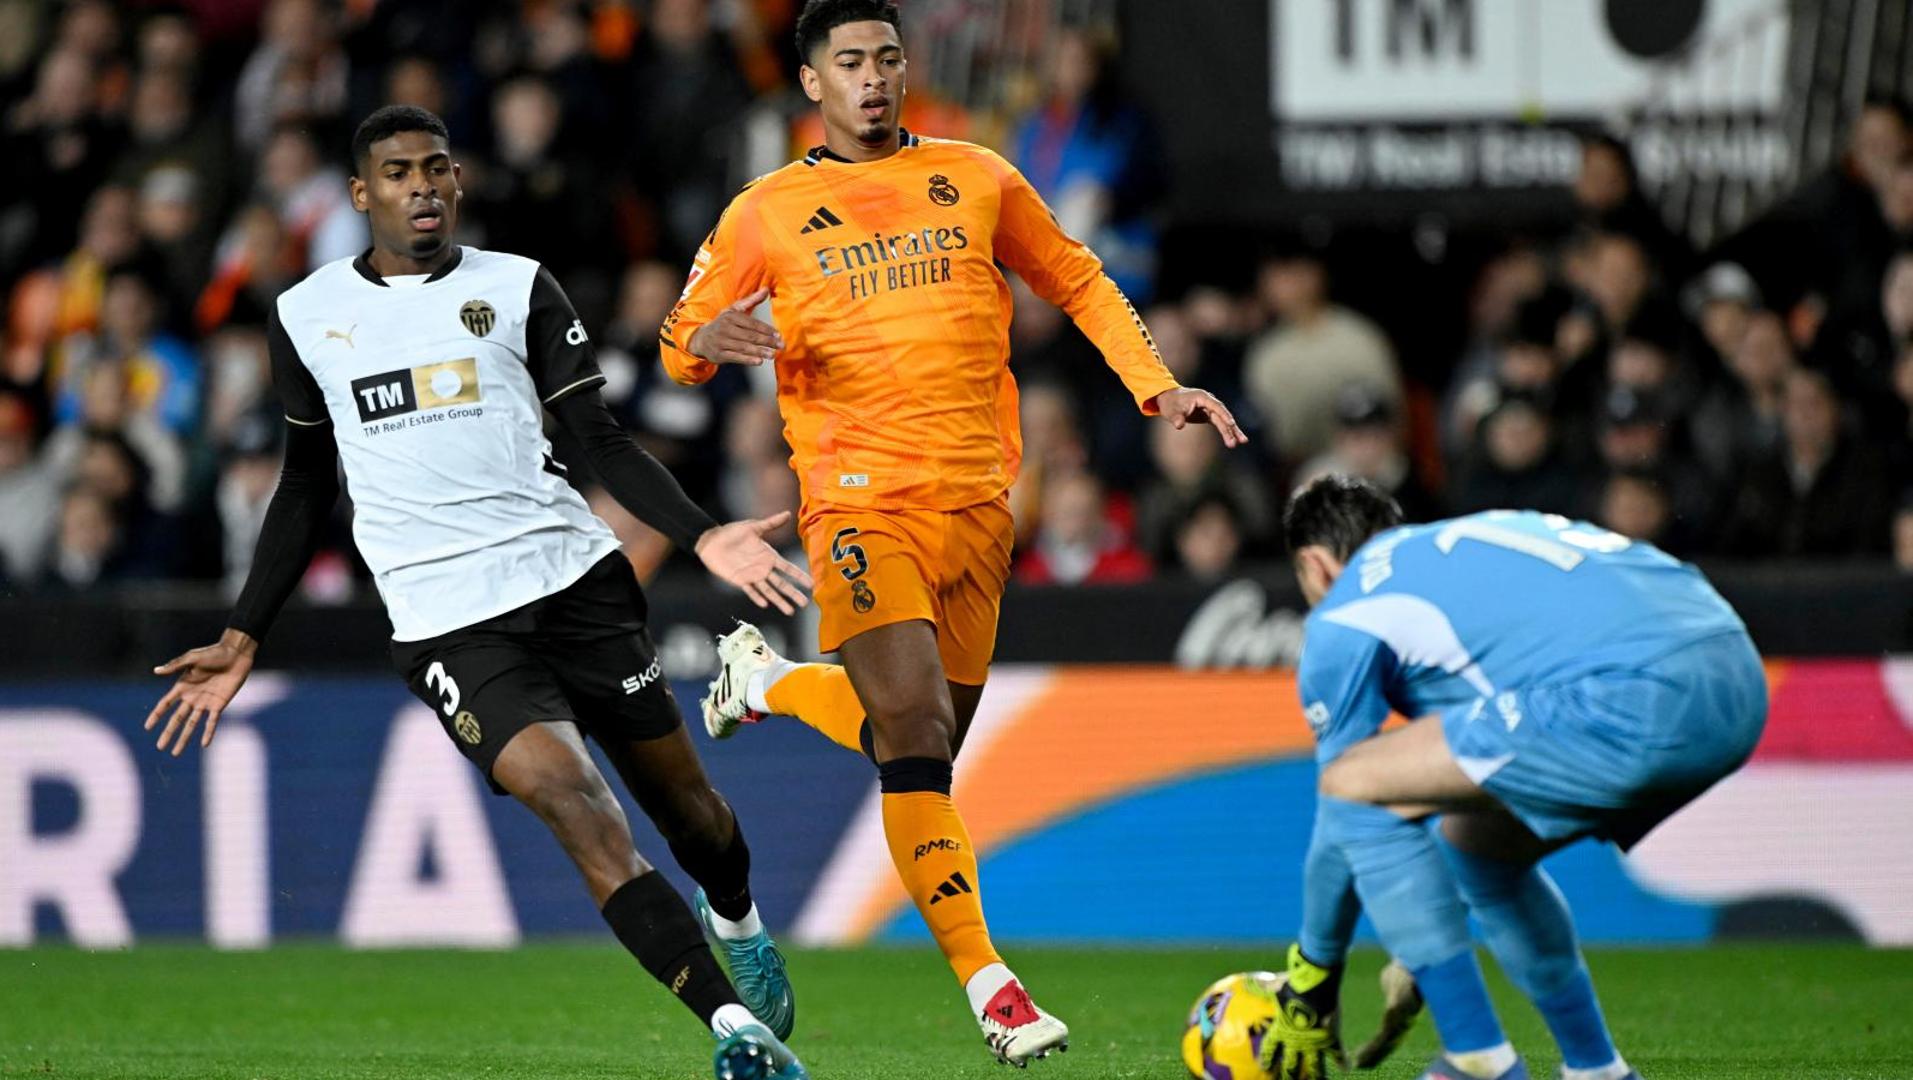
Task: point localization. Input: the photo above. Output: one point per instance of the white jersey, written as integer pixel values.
(436, 389)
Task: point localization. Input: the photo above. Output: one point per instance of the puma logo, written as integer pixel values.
(345, 337)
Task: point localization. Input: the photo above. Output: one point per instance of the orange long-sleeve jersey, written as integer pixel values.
(894, 379)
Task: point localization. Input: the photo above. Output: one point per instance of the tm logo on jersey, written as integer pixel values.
(411, 390)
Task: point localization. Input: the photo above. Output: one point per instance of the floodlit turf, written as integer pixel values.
(580, 1011)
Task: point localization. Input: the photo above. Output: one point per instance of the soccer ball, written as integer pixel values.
(1227, 1026)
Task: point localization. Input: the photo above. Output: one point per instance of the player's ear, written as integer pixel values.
(357, 187)
(813, 86)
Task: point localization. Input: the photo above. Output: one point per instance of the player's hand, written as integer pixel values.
(737, 337)
(738, 553)
(1401, 1006)
(1187, 405)
(208, 679)
(1307, 1034)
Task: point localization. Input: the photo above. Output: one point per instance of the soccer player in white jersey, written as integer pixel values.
(426, 368)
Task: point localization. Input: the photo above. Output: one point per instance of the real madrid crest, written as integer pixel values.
(942, 191)
(467, 725)
(478, 317)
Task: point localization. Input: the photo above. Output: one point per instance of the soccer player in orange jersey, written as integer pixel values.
(878, 253)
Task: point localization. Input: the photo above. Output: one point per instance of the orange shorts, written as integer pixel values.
(877, 567)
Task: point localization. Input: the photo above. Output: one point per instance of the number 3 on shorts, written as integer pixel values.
(840, 551)
(437, 679)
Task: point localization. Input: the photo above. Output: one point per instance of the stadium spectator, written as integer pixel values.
(1823, 493)
(1209, 540)
(681, 427)
(1526, 360)
(259, 261)
(1191, 470)
(167, 41)
(58, 151)
(1505, 283)
(1315, 347)
(104, 403)
(159, 373)
(1368, 444)
(753, 437)
(1721, 303)
(1517, 464)
(297, 74)
(417, 80)
(1052, 446)
(29, 490)
(172, 227)
(238, 380)
(1077, 541)
(51, 303)
(1739, 420)
(1608, 197)
(1636, 506)
(163, 134)
(87, 547)
(311, 197)
(1614, 271)
(1636, 437)
(1093, 157)
(686, 99)
(247, 476)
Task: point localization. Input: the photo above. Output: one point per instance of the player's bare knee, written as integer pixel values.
(1345, 780)
(699, 815)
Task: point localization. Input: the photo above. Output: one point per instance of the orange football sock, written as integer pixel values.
(933, 855)
(820, 695)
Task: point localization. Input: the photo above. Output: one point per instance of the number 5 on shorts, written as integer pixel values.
(850, 553)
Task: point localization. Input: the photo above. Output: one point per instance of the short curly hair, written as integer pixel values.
(389, 121)
(820, 17)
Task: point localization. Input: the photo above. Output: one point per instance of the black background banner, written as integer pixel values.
(1249, 621)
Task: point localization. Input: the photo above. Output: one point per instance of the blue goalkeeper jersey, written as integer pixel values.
(1464, 611)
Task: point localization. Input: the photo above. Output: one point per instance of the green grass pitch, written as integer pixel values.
(586, 1010)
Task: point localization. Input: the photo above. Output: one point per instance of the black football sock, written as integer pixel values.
(655, 923)
(724, 873)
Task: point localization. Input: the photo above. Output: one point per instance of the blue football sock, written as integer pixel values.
(1527, 925)
(1330, 907)
(1410, 896)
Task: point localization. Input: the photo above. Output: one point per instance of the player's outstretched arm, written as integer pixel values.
(1186, 405)
(739, 554)
(711, 323)
(736, 553)
(738, 337)
(208, 677)
(1063, 271)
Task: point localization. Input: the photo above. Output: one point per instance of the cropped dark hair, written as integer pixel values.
(820, 17)
(1338, 512)
(389, 121)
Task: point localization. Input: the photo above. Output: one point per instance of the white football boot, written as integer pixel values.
(740, 654)
(1017, 1030)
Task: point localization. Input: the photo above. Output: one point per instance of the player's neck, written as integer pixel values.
(848, 147)
(388, 263)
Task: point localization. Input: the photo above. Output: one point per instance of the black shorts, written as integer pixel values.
(581, 655)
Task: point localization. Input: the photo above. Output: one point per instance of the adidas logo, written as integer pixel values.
(1006, 1011)
(821, 220)
(951, 886)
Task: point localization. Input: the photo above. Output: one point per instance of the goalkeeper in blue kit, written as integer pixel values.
(1569, 683)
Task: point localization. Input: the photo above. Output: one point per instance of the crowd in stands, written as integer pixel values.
(170, 169)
